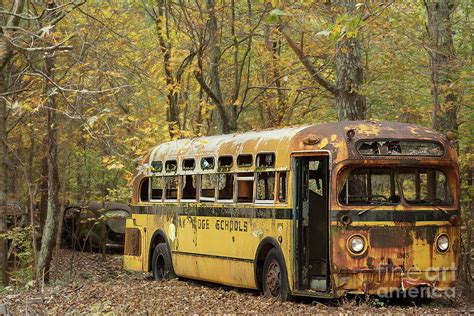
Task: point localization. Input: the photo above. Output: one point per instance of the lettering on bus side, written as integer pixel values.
(232, 225)
(203, 224)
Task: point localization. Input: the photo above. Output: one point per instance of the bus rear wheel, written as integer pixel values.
(275, 279)
(162, 267)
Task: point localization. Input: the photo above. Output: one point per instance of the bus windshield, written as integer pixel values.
(425, 187)
(386, 186)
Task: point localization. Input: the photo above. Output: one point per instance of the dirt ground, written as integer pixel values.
(96, 283)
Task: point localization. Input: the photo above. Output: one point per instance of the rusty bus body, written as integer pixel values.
(358, 207)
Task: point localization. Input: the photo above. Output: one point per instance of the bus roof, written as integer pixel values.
(332, 137)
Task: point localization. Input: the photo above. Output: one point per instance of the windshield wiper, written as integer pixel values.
(369, 209)
(440, 209)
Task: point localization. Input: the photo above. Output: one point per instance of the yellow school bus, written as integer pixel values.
(361, 207)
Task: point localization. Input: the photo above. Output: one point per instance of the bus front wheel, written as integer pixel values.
(162, 266)
(275, 278)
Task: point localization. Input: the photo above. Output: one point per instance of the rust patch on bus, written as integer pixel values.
(390, 237)
(132, 242)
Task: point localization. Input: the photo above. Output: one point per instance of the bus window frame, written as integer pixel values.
(265, 202)
(150, 183)
(278, 184)
(348, 166)
(171, 173)
(148, 189)
(208, 170)
(401, 156)
(234, 182)
(246, 178)
(181, 187)
(225, 168)
(205, 198)
(262, 153)
(246, 167)
(177, 189)
(169, 161)
(188, 170)
(390, 170)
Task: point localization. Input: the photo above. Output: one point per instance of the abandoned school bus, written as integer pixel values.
(323, 210)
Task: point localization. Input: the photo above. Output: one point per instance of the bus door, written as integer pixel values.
(312, 225)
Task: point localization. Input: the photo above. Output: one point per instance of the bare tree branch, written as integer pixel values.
(206, 88)
(309, 66)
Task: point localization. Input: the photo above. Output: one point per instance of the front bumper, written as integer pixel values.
(383, 282)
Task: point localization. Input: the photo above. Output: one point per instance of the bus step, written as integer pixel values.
(318, 284)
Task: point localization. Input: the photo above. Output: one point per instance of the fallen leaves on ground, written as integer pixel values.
(97, 283)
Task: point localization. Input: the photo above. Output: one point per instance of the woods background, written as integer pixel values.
(87, 87)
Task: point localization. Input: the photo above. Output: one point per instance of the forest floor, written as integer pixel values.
(97, 283)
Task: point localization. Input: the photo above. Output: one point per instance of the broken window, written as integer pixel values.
(171, 188)
(189, 164)
(208, 187)
(265, 187)
(370, 187)
(425, 187)
(244, 160)
(144, 187)
(419, 186)
(245, 187)
(400, 148)
(157, 186)
(207, 163)
(315, 179)
(225, 186)
(171, 166)
(266, 160)
(189, 187)
(156, 166)
(225, 162)
(282, 184)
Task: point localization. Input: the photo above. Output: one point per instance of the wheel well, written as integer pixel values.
(263, 249)
(159, 237)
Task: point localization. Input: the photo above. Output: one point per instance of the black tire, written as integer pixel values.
(275, 276)
(162, 267)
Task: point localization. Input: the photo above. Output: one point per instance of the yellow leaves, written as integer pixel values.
(112, 163)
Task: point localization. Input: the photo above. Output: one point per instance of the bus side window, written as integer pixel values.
(245, 187)
(157, 185)
(208, 187)
(225, 186)
(144, 186)
(266, 187)
(171, 188)
(282, 184)
(189, 184)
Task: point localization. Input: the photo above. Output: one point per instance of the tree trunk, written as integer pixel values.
(275, 114)
(6, 53)
(214, 59)
(43, 203)
(442, 58)
(3, 182)
(165, 47)
(51, 223)
(350, 104)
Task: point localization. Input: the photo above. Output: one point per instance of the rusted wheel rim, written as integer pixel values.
(273, 278)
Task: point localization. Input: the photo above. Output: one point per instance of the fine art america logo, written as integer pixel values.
(433, 282)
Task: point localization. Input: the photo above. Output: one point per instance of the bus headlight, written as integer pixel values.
(356, 244)
(442, 243)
